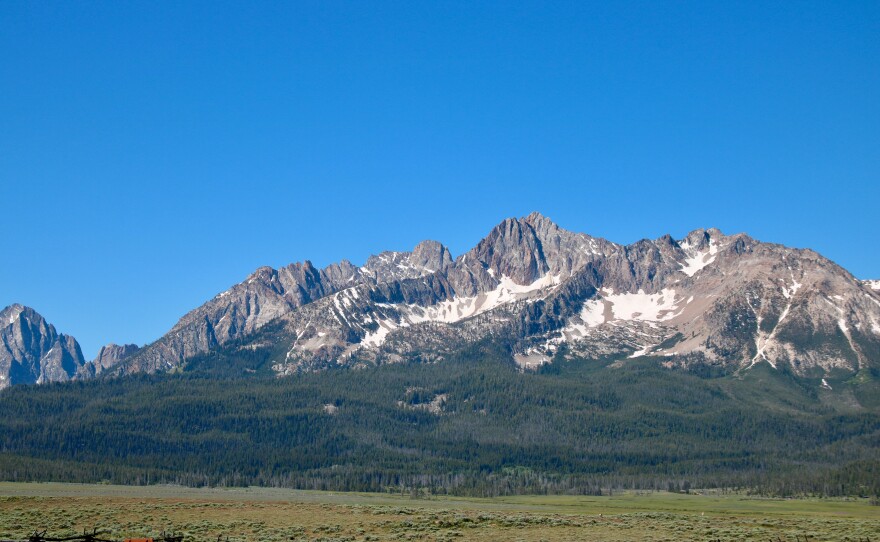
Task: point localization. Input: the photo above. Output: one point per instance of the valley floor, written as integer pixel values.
(270, 515)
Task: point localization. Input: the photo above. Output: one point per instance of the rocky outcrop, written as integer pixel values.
(111, 355)
(33, 352)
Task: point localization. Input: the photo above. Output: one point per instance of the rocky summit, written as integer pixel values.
(32, 352)
(111, 354)
(728, 302)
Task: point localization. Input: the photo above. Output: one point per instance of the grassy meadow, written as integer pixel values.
(274, 515)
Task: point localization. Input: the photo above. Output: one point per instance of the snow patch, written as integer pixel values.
(841, 323)
(790, 292)
(627, 307)
(872, 284)
(641, 352)
(459, 308)
(299, 335)
(656, 307)
(593, 313)
(620, 309)
(376, 338)
(762, 341)
(698, 260)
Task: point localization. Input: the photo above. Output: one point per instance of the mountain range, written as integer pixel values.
(720, 302)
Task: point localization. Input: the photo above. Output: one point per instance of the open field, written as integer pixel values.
(252, 514)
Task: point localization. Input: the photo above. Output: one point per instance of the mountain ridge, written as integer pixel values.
(515, 272)
(728, 301)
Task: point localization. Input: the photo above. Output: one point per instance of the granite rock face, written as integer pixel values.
(110, 355)
(33, 352)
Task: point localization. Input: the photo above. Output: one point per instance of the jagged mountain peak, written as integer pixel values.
(263, 274)
(14, 307)
(10, 314)
(431, 255)
(341, 273)
(534, 221)
(512, 249)
(32, 351)
(535, 216)
(701, 238)
(541, 224)
(530, 248)
(26, 316)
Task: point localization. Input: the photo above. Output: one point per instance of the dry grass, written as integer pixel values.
(279, 515)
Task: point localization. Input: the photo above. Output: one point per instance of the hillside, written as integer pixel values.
(473, 424)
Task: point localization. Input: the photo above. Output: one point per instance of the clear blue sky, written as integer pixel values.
(154, 153)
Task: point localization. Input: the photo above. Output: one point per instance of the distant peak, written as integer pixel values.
(14, 311)
(701, 237)
(665, 240)
(9, 315)
(15, 307)
(516, 226)
(264, 272)
(535, 216)
(428, 244)
(709, 232)
(539, 221)
(432, 248)
(431, 255)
